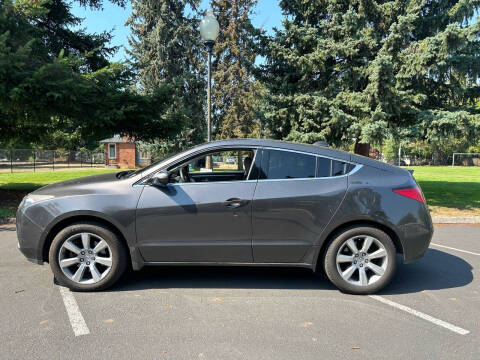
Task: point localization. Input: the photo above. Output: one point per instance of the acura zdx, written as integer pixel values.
(233, 202)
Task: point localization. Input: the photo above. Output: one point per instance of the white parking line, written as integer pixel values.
(451, 248)
(421, 315)
(76, 319)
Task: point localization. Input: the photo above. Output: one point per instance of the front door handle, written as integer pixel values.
(234, 203)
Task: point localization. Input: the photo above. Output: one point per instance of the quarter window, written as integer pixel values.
(277, 164)
(339, 168)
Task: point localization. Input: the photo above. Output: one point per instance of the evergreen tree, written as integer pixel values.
(359, 69)
(235, 51)
(52, 77)
(166, 49)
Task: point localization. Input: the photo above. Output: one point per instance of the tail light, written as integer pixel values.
(413, 193)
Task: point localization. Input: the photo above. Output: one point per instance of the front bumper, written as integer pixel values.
(28, 235)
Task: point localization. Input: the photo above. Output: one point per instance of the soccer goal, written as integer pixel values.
(466, 159)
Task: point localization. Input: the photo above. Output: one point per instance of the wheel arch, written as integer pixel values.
(55, 229)
(351, 224)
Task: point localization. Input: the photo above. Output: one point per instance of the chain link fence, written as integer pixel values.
(18, 160)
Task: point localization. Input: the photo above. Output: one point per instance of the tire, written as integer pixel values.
(378, 270)
(98, 268)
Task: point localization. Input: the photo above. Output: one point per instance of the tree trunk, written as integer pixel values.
(362, 149)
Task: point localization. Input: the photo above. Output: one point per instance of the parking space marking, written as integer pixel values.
(77, 321)
(421, 315)
(452, 248)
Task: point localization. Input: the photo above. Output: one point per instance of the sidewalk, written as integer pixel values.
(456, 219)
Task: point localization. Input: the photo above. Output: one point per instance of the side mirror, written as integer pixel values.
(160, 178)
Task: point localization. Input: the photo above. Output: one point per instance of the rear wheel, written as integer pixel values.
(361, 260)
(87, 257)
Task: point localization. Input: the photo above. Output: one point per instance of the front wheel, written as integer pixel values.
(87, 257)
(361, 260)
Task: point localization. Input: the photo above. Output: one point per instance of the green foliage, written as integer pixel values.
(343, 70)
(55, 79)
(166, 51)
(234, 91)
(423, 152)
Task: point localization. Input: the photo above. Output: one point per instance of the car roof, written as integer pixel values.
(308, 148)
(278, 144)
(284, 145)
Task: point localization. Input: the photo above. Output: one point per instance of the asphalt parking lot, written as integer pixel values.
(431, 310)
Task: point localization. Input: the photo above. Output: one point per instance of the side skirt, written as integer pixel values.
(233, 264)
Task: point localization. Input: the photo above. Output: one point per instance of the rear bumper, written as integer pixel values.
(415, 239)
(28, 235)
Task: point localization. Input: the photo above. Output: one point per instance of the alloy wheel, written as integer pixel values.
(362, 260)
(85, 258)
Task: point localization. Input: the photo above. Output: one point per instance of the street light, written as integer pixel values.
(209, 30)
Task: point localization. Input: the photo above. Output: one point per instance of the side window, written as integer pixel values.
(223, 161)
(223, 165)
(340, 168)
(278, 164)
(323, 167)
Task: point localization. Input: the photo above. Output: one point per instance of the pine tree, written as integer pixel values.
(361, 69)
(166, 49)
(53, 77)
(234, 89)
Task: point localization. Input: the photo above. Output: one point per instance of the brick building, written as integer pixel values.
(122, 152)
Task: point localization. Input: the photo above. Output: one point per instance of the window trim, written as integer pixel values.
(115, 147)
(288, 150)
(175, 164)
(355, 168)
(256, 148)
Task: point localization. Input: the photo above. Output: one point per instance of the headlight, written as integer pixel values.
(31, 199)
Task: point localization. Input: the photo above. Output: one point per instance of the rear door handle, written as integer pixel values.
(234, 203)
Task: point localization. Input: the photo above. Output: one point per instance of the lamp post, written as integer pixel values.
(209, 30)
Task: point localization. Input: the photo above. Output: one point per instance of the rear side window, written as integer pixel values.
(341, 168)
(323, 167)
(338, 168)
(277, 164)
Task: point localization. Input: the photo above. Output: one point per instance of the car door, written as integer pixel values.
(208, 221)
(295, 198)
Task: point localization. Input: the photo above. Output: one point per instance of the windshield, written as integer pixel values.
(139, 171)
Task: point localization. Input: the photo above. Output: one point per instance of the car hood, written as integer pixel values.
(80, 186)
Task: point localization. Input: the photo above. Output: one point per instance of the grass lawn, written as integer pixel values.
(450, 191)
(13, 187)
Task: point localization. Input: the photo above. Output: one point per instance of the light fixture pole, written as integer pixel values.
(209, 30)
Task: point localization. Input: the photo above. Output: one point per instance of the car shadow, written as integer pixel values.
(435, 271)
(221, 277)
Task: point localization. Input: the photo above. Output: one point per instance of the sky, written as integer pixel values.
(267, 15)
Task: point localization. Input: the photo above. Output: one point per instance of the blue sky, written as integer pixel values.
(266, 14)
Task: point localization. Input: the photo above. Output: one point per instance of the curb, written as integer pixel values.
(7, 221)
(456, 219)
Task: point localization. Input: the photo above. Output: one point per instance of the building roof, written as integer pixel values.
(117, 139)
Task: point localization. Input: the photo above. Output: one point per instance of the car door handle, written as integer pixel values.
(234, 203)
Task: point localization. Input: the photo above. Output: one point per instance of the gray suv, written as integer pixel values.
(234, 202)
